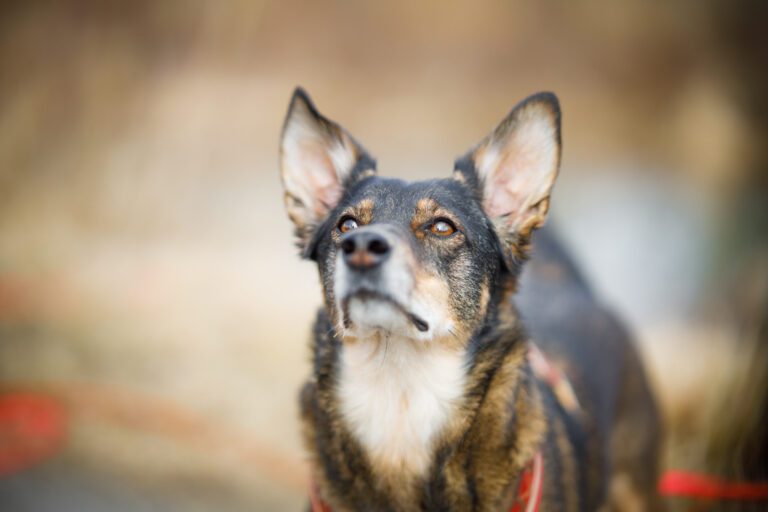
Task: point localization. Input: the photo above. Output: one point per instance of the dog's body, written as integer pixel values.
(423, 396)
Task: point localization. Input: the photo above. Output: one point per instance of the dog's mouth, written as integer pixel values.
(365, 294)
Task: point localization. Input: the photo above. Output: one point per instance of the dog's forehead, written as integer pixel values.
(394, 199)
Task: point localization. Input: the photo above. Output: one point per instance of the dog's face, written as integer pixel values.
(412, 259)
(424, 260)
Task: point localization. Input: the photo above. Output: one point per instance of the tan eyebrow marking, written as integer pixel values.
(362, 211)
(423, 213)
(428, 209)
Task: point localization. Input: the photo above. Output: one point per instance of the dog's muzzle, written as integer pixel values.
(374, 282)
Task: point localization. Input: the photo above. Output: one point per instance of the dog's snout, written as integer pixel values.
(364, 250)
(378, 245)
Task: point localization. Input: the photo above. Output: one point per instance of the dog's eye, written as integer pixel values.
(442, 227)
(347, 224)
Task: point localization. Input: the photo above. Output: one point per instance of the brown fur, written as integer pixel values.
(501, 398)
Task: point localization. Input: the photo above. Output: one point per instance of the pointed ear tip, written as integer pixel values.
(546, 99)
(299, 93)
(301, 98)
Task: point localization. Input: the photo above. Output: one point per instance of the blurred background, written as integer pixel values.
(149, 286)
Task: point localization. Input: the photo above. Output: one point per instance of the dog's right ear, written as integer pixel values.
(319, 160)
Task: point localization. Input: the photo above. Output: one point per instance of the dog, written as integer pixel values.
(434, 386)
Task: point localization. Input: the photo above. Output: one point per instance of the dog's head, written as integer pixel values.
(426, 260)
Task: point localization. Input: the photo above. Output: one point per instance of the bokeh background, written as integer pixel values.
(148, 279)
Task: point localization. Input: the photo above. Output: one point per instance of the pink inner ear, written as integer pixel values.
(510, 184)
(521, 175)
(322, 181)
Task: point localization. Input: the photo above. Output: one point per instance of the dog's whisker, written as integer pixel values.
(386, 351)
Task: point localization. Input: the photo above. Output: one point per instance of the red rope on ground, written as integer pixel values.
(694, 485)
(32, 428)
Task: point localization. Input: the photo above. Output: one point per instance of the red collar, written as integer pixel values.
(527, 498)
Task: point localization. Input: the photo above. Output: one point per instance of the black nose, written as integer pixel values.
(364, 250)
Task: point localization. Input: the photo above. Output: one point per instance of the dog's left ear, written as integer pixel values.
(319, 160)
(513, 169)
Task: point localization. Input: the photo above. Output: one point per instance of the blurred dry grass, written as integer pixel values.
(147, 274)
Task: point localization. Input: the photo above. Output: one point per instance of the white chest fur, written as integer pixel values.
(396, 395)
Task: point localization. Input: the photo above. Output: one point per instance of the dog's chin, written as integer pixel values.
(366, 314)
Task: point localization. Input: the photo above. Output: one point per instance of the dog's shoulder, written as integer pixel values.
(598, 354)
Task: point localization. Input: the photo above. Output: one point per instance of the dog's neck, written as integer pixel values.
(384, 419)
(399, 396)
(396, 395)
